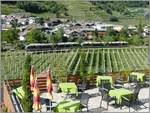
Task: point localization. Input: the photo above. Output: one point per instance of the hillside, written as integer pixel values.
(85, 10)
(81, 10)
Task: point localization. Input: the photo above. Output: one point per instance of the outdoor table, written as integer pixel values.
(99, 78)
(19, 92)
(68, 106)
(68, 88)
(118, 93)
(140, 76)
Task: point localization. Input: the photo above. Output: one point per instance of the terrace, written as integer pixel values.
(14, 104)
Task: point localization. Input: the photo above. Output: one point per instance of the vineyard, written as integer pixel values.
(98, 61)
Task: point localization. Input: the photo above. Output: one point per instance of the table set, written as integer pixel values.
(118, 93)
(99, 78)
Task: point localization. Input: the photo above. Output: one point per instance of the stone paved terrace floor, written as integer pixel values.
(94, 102)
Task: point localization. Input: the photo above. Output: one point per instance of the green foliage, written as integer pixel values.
(27, 100)
(114, 19)
(135, 40)
(140, 28)
(137, 3)
(19, 45)
(43, 6)
(34, 7)
(35, 36)
(57, 37)
(8, 2)
(79, 40)
(127, 12)
(11, 36)
(123, 34)
(109, 11)
(108, 38)
(4, 109)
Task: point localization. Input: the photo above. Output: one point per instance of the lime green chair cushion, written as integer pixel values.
(19, 92)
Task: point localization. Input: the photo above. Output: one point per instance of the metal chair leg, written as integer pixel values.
(100, 103)
(107, 105)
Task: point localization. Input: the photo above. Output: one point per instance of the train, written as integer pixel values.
(73, 45)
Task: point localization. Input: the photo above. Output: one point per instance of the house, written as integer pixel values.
(31, 20)
(132, 28)
(146, 31)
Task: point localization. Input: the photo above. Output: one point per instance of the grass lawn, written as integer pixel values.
(80, 10)
(8, 9)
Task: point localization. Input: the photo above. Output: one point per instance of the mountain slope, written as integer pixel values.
(81, 10)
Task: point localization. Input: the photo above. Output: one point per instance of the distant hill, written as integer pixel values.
(125, 12)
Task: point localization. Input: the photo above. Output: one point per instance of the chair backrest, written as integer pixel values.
(133, 78)
(137, 90)
(147, 78)
(104, 93)
(103, 82)
(107, 86)
(84, 98)
(48, 102)
(84, 85)
(119, 80)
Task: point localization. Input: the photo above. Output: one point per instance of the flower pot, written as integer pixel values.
(55, 87)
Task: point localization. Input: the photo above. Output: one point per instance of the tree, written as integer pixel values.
(35, 36)
(27, 100)
(11, 36)
(79, 40)
(114, 19)
(31, 6)
(59, 35)
(109, 11)
(135, 40)
(123, 34)
(96, 33)
(140, 28)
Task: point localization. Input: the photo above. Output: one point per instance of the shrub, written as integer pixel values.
(27, 100)
(114, 19)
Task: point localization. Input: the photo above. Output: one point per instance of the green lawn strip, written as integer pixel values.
(97, 61)
(140, 58)
(73, 61)
(120, 60)
(130, 59)
(138, 64)
(91, 63)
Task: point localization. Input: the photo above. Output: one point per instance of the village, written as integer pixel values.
(71, 29)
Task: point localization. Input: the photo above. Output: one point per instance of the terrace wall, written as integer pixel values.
(7, 99)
